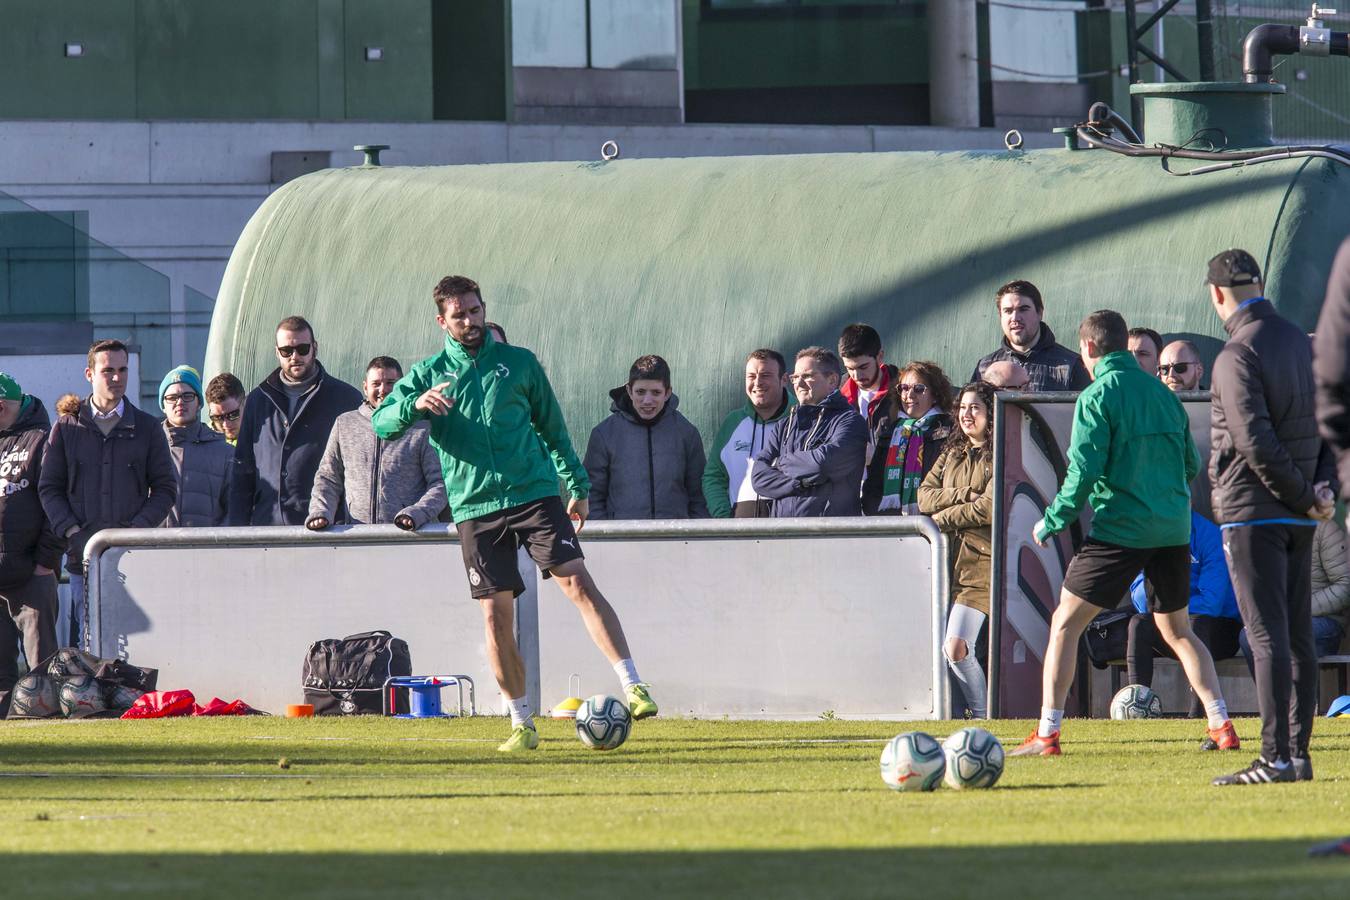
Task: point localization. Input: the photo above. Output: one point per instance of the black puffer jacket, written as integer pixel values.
(26, 537)
(1050, 366)
(1264, 445)
(1332, 365)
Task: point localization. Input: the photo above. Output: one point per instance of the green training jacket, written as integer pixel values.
(504, 443)
(1131, 456)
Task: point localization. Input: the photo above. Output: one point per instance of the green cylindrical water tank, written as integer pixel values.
(702, 260)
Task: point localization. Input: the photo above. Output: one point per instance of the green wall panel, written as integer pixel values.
(399, 86)
(471, 64)
(38, 81)
(240, 60)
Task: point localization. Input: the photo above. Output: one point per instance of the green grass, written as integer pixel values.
(388, 808)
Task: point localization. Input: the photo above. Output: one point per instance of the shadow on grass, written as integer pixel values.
(1197, 871)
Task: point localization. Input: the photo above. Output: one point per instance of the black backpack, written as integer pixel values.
(345, 677)
(1107, 637)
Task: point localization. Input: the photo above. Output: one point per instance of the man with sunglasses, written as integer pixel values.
(1179, 366)
(284, 430)
(201, 458)
(225, 405)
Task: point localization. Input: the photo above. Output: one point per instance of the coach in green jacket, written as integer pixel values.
(1132, 457)
(503, 445)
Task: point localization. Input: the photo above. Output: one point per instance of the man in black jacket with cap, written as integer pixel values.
(1271, 485)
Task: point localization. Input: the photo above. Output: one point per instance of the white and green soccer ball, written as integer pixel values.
(603, 722)
(913, 761)
(974, 759)
(1134, 701)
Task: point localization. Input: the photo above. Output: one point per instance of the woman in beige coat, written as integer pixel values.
(958, 494)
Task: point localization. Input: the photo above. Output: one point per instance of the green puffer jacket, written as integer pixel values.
(496, 442)
(1131, 456)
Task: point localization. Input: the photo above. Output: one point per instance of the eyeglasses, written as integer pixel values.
(298, 350)
(918, 390)
(224, 417)
(176, 399)
(1178, 368)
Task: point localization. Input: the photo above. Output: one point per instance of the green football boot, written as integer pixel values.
(523, 737)
(640, 702)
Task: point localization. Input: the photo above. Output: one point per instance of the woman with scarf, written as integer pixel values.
(910, 436)
(958, 494)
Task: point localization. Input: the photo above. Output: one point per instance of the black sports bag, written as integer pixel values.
(344, 677)
(1106, 636)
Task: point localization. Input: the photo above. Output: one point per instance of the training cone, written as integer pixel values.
(568, 708)
(1339, 707)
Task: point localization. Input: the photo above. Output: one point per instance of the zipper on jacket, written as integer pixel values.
(651, 474)
(375, 483)
(482, 418)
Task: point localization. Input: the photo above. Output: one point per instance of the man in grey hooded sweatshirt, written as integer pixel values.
(646, 460)
(381, 481)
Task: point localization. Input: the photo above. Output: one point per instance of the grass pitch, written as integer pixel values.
(372, 807)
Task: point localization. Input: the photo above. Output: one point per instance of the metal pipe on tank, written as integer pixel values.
(953, 68)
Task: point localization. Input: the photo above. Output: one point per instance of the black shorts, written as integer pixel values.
(1101, 574)
(489, 544)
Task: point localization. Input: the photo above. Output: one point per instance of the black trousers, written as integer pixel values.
(1271, 566)
(1219, 635)
(27, 613)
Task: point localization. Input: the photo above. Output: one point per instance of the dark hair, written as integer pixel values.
(452, 287)
(825, 358)
(958, 442)
(1106, 328)
(297, 323)
(105, 346)
(1026, 289)
(932, 376)
(764, 354)
(650, 368)
(223, 387)
(385, 362)
(859, 340)
(491, 325)
(1151, 335)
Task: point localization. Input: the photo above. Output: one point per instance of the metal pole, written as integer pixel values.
(1132, 61)
(1204, 32)
(953, 68)
(998, 562)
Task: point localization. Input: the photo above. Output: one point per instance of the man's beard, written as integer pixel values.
(472, 337)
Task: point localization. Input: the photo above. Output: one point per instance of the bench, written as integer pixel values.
(1236, 666)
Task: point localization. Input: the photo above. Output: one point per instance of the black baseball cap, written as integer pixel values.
(1233, 268)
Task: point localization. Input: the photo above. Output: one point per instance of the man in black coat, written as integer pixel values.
(106, 466)
(29, 550)
(1271, 485)
(1028, 341)
(285, 428)
(1331, 365)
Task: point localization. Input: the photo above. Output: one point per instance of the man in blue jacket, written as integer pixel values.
(284, 431)
(1213, 610)
(812, 465)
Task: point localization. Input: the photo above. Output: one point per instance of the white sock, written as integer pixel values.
(1279, 763)
(1050, 720)
(627, 672)
(1217, 711)
(520, 711)
(970, 673)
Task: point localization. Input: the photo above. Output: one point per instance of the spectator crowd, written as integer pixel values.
(838, 432)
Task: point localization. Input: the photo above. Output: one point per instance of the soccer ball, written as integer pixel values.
(35, 697)
(913, 761)
(1134, 701)
(121, 696)
(67, 663)
(974, 759)
(82, 696)
(603, 722)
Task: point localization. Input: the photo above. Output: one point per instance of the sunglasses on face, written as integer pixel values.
(224, 417)
(298, 350)
(918, 390)
(1178, 368)
(179, 398)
